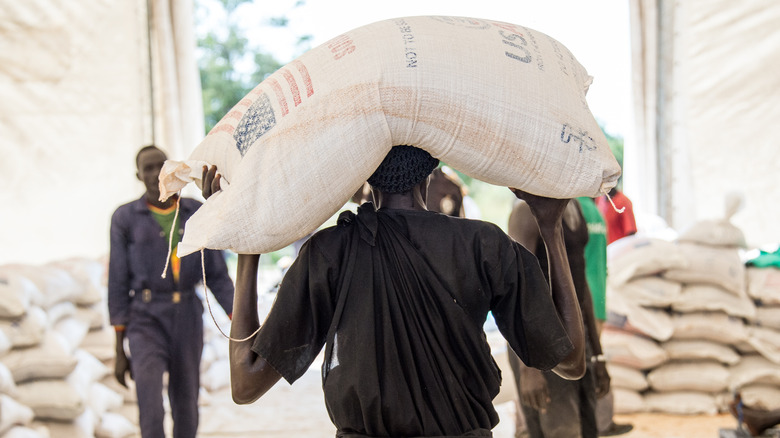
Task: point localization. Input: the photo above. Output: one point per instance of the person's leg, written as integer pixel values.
(605, 411)
(184, 375)
(521, 423)
(587, 396)
(533, 426)
(148, 360)
(755, 420)
(562, 418)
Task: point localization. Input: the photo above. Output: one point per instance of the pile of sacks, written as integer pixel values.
(689, 324)
(57, 353)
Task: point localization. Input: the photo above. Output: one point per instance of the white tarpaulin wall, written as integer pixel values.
(76, 107)
(706, 88)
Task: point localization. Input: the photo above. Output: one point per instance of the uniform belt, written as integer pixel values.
(147, 296)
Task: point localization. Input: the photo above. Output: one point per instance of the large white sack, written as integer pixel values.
(13, 413)
(26, 331)
(217, 376)
(49, 360)
(102, 399)
(764, 397)
(7, 384)
(54, 284)
(632, 350)
(5, 343)
(626, 315)
(766, 341)
(651, 291)
(764, 285)
(500, 102)
(718, 232)
(703, 376)
(626, 377)
(710, 326)
(754, 369)
(82, 426)
(681, 402)
(100, 343)
(710, 265)
(701, 349)
(628, 401)
(51, 399)
(35, 431)
(89, 274)
(767, 316)
(634, 256)
(710, 297)
(15, 293)
(113, 425)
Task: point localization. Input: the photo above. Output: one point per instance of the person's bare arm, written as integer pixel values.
(250, 375)
(589, 320)
(522, 226)
(548, 213)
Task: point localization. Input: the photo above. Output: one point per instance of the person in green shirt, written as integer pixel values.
(596, 274)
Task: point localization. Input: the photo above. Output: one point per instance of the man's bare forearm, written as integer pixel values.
(250, 375)
(565, 299)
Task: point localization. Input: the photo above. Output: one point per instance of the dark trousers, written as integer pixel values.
(572, 409)
(164, 337)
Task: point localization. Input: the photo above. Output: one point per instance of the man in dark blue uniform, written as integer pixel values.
(160, 317)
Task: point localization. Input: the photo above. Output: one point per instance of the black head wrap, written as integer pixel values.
(403, 168)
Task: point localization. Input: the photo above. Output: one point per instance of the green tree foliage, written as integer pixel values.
(223, 48)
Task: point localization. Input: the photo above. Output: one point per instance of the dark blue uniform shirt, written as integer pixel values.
(137, 258)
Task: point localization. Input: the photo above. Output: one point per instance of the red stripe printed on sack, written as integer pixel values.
(235, 114)
(223, 128)
(305, 76)
(293, 86)
(279, 96)
(245, 102)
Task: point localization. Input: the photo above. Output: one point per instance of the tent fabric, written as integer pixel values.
(705, 89)
(74, 77)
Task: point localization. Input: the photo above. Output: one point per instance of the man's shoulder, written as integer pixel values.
(126, 209)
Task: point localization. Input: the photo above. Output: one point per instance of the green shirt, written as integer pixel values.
(165, 219)
(596, 256)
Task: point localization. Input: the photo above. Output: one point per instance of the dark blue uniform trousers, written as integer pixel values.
(164, 335)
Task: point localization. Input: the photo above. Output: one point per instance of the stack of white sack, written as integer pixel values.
(685, 311)
(50, 381)
(497, 101)
(57, 353)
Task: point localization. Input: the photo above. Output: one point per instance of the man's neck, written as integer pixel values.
(401, 201)
(153, 199)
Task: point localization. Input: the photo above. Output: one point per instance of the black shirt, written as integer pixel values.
(400, 297)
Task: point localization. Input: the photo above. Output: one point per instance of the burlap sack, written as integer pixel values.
(629, 316)
(710, 326)
(626, 377)
(51, 399)
(710, 297)
(630, 350)
(681, 402)
(720, 266)
(500, 102)
(701, 375)
(764, 285)
(634, 257)
(754, 370)
(628, 401)
(766, 397)
(701, 350)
